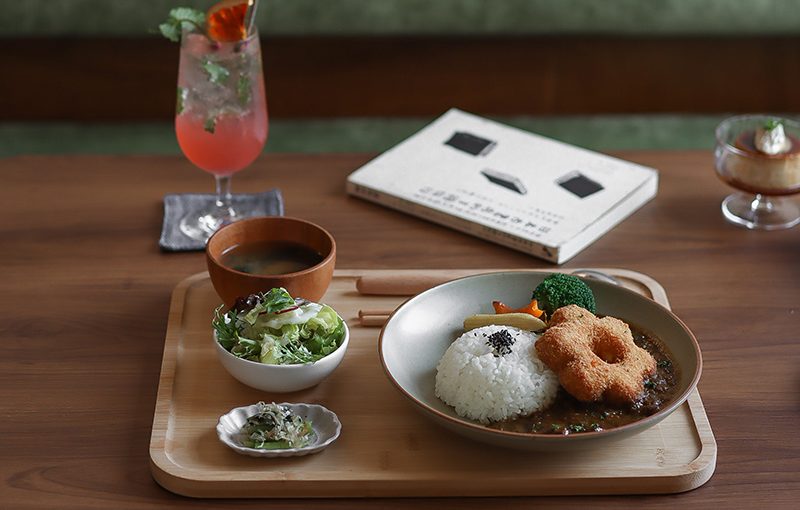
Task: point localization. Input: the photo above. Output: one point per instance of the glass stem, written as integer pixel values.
(224, 205)
(761, 204)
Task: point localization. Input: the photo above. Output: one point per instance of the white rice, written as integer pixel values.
(486, 388)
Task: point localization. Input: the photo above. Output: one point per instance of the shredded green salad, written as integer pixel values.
(275, 427)
(276, 329)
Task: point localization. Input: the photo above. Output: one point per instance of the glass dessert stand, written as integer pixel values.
(759, 155)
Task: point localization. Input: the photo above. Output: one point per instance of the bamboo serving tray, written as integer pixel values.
(387, 448)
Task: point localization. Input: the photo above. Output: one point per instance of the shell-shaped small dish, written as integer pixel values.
(324, 422)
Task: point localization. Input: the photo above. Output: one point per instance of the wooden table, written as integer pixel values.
(85, 293)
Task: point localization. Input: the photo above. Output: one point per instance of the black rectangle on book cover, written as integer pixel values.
(471, 144)
(505, 180)
(579, 185)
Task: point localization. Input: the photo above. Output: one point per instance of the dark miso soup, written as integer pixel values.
(270, 257)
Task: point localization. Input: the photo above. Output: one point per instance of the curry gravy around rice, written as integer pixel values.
(568, 415)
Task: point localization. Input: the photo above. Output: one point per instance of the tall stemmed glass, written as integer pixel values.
(220, 119)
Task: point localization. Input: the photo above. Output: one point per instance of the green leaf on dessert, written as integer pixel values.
(772, 124)
(179, 19)
(182, 93)
(210, 124)
(216, 72)
(243, 89)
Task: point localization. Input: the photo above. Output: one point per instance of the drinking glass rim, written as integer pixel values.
(220, 44)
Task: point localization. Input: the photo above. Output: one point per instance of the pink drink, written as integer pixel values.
(221, 120)
(235, 144)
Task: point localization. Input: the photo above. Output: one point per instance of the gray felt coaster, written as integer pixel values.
(268, 203)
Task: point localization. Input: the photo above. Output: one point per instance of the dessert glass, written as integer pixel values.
(764, 180)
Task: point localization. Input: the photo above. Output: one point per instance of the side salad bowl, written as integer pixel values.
(281, 378)
(276, 343)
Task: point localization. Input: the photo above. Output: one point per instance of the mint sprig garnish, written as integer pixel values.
(772, 124)
(243, 89)
(182, 18)
(216, 72)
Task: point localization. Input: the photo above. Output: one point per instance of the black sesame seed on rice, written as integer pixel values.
(501, 342)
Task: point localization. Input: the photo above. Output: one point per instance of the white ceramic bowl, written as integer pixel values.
(419, 332)
(324, 422)
(281, 378)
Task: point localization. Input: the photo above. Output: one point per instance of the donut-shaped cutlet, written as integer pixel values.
(595, 359)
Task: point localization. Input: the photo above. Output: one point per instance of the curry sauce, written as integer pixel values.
(567, 415)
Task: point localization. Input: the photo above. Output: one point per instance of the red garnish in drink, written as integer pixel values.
(226, 20)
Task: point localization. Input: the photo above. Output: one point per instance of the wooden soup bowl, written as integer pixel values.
(310, 283)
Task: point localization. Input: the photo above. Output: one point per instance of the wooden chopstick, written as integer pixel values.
(396, 285)
(388, 284)
(373, 318)
(384, 283)
(373, 321)
(366, 313)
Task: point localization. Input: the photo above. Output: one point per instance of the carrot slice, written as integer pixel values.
(531, 308)
(501, 307)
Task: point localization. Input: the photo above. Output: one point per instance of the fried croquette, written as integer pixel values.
(595, 358)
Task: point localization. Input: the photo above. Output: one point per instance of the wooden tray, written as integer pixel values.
(386, 449)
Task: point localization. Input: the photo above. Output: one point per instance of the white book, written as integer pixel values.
(499, 183)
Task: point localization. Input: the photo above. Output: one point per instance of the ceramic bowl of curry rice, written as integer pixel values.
(538, 361)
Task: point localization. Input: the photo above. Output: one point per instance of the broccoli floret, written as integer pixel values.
(559, 290)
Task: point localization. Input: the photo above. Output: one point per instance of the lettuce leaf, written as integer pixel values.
(276, 321)
(323, 333)
(273, 301)
(247, 349)
(274, 341)
(228, 335)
